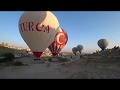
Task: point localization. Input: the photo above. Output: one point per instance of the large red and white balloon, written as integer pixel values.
(59, 42)
(38, 30)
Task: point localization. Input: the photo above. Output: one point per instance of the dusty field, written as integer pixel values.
(91, 68)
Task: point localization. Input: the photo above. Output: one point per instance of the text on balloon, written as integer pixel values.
(28, 26)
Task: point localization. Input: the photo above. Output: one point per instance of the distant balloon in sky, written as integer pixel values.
(38, 30)
(74, 49)
(80, 48)
(103, 43)
(59, 42)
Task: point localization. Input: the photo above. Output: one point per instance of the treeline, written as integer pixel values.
(4, 44)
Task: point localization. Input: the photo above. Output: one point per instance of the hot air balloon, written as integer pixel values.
(38, 30)
(80, 48)
(103, 43)
(74, 49)
(59, 42)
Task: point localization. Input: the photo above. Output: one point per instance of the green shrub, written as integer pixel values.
(49, 59)
(18, 63)
(9, 56)
(81, 56)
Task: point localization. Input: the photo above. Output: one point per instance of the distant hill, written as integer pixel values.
(114, 52)
(6, 50)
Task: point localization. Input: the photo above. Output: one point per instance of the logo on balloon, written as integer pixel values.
(61, 37)
(28, 26)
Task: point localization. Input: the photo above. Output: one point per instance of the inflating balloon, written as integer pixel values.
(59, 42)
(80, 48)
(38, 30)
(103, 43)
(74, 49)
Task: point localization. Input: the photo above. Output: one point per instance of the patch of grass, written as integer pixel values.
(4, 64)
(84, 62)
(54, 59)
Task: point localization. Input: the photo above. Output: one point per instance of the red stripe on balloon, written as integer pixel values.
(37, 54)
(54, 54)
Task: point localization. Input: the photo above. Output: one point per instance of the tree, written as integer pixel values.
(9, 56)
(6, 44)
(2, 44)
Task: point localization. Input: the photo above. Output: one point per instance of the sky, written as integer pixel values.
(83, 28)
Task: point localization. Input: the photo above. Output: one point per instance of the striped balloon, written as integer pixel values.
(59, 42)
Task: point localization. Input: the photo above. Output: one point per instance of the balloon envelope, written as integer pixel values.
(38, 30)
(59, 42)
(103, 43)
(74, 49)
(80, 48)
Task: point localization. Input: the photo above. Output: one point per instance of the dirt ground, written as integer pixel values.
(74, 69)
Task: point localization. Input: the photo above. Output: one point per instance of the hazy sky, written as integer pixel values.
(82, 27)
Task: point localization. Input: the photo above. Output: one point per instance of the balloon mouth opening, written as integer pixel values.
(103, 49)
(55, 54)
(37, 54)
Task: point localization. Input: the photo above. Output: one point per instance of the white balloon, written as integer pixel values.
(74, 49)
(103, 43)
(38, 29)
(80, 48)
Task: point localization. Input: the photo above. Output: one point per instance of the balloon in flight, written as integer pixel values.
(103, 43)
(74, 49)
(59, 42)
(38, 30)
(80, 48)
